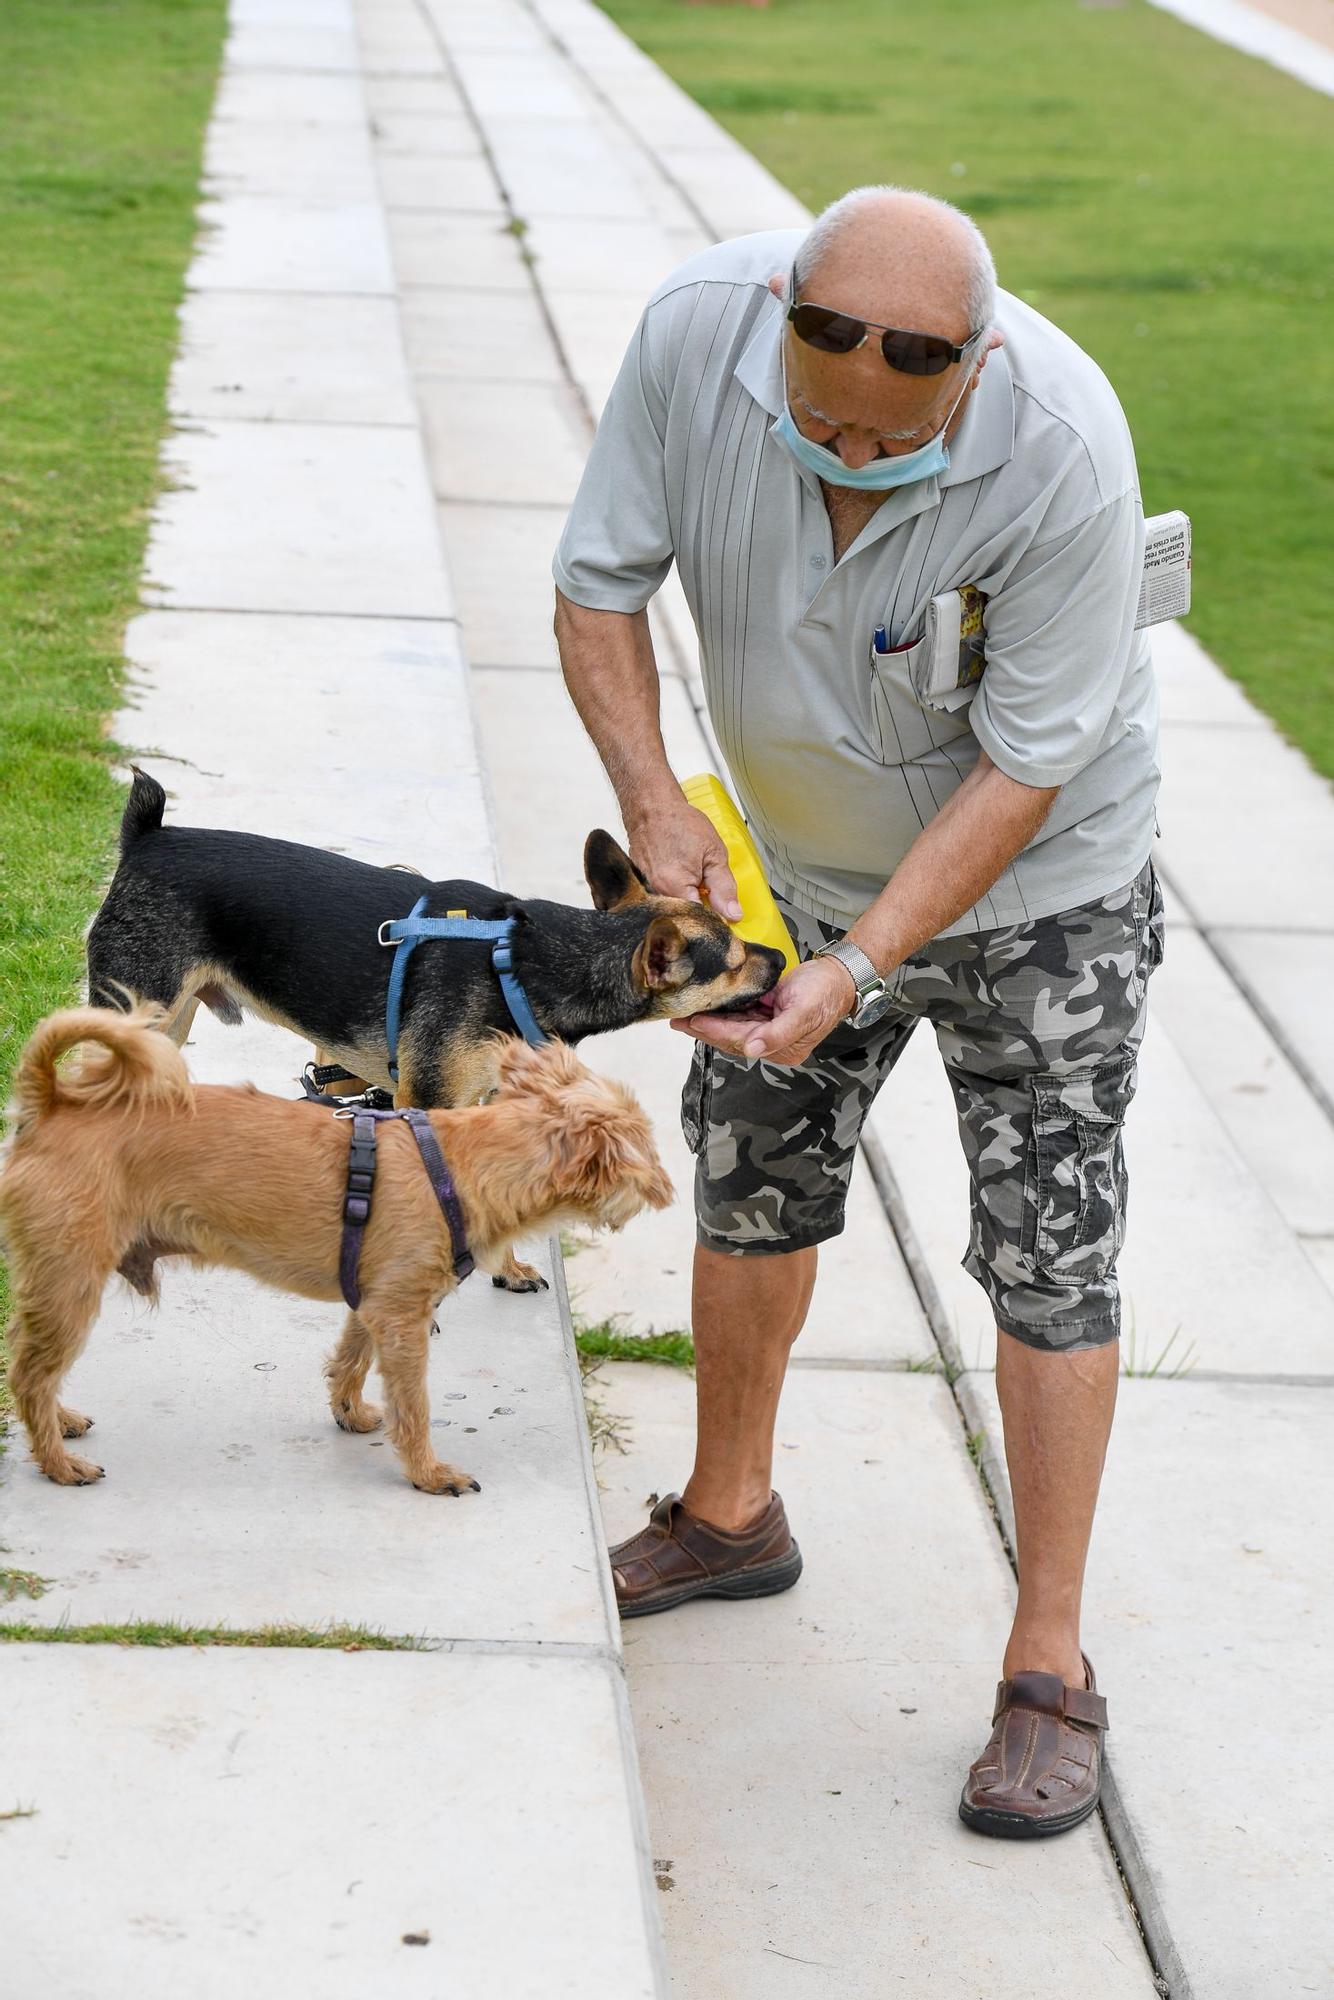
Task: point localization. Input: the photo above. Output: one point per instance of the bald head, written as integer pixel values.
(900, 258)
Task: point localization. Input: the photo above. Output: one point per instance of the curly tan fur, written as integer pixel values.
(122, 1161)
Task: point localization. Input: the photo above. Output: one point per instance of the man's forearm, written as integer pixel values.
(952, 863)
(609, 668)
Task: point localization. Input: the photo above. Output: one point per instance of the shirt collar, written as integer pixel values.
(983, 442)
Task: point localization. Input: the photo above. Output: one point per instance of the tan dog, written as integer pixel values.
(123, 1160)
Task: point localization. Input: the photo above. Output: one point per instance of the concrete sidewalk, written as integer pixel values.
(465, 1816)
(432, 226)
(580, 174)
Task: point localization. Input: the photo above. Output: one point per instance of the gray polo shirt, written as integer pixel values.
(837, 761)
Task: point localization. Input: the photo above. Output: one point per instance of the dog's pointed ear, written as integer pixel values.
(661, 961)
(610, 873)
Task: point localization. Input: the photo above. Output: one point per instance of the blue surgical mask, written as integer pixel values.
(878, 475)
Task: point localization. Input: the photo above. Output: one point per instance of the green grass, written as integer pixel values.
(21, 1583)
(335, 1638)
(102, 110)
(1163, 198)
(609, 1341)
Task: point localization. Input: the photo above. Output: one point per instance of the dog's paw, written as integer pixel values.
(67, 1470)
(447, 1479)
(357, 1416)
(72, 1425)
(518, 1277)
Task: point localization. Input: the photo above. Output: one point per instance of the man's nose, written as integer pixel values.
(856, 449)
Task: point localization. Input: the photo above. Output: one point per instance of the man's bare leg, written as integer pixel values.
(747, 1311)
(1057, 1410)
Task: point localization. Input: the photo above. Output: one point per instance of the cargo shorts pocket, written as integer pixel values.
(1077, 1191)
(695, 1097)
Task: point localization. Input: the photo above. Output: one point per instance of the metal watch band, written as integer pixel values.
(870, 986)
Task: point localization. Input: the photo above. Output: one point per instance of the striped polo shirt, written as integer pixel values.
(838, 759)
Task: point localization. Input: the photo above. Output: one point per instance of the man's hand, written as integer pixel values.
(806, 1006)
(682, 855)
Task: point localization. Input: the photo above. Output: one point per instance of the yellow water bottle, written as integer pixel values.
(761, 921)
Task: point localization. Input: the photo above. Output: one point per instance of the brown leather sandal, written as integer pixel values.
(1042, 1769)
(677, 1557)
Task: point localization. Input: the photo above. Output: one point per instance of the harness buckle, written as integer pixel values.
(380, 937)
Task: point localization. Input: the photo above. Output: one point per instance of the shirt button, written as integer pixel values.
(817, 562)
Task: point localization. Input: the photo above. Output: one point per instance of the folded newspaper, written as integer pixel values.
(1165, 589)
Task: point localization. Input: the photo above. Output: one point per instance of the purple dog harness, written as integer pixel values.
(361, 1183)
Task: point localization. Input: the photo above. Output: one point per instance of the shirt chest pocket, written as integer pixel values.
(941, 670)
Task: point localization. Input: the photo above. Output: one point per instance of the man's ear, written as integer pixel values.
(661, 960)
(611, 875)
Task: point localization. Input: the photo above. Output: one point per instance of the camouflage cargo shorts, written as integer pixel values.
(1039, 1027)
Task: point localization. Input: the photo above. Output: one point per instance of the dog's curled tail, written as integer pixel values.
(143, 809)
(132, 1065)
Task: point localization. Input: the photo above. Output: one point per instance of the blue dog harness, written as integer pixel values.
(406, 933)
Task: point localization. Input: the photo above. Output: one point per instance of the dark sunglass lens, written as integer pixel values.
(831, 332)
(917, 353)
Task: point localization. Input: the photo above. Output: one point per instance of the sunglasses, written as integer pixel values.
(911, 353)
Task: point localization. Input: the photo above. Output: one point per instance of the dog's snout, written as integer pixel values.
(773, 963)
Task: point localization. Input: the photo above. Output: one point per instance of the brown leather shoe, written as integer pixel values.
(677, 1557)
(1042, 1769)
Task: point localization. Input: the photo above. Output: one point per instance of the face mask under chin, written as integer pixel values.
(880, 475)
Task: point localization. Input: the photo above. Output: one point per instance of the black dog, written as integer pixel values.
(291, 932)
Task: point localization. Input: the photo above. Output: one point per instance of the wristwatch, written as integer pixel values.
(871, 988)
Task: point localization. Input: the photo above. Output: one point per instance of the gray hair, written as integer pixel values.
(979, 299)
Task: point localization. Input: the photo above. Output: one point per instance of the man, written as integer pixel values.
(825, 434)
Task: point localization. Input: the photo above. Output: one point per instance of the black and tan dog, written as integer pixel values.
(236, 920)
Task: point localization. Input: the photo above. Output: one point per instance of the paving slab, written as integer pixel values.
(331, 165)
(461, 433)
(617, 256)
(1207, 1589)
(553, 166)
(433, 249)
(272, 244)
(294, 45)
(450, 184)
(400, 48)
(234, 532)
(391, 98)
(1281, 1132)
(1267, 862)
(1291, 974)
(500, 558)
(1192, 689)
(284, 1823)
(479, 336)
(836, 1723)
(486, 24)
(266, 96)
(267, 356)
(1195, 1212)
(324, 687)
(424, 134)
(500, 84)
